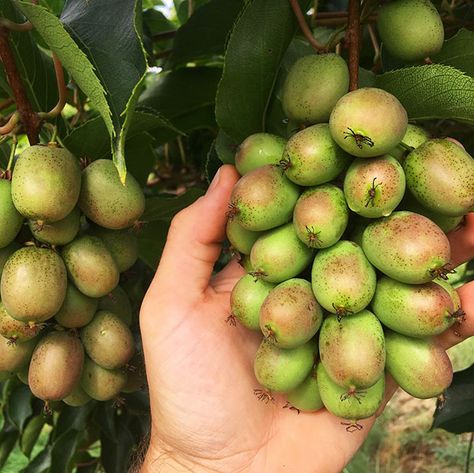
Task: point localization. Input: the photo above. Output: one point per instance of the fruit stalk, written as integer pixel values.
(316, 45)
(353, 42)
(30, 119)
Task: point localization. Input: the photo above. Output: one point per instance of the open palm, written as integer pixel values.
(205, 416)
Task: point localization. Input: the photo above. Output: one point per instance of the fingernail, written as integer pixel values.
(214, 182)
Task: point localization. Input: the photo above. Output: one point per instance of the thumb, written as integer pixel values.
(194, 241)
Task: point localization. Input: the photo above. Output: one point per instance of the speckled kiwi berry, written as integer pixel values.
(262, 199)
(320, 216)
(102, 384)
(10, 219)
(46, 183)
(33, 285)
(407, 247)
(108, 202)
(14, 330)
(108, 340)
(312, 87)
(343, 279)
(257, 150)
(90, 266)
(352, 406)
(410, 29)
(57, 233)
(374, 187)
(416, 310)
(420, 366)
(368, 122)
(60, 353)
(352, 350)
(290, 315)
(440, 174)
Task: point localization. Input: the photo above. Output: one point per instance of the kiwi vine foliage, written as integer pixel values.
(209, 87)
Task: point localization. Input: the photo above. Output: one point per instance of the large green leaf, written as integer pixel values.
(165, 208)
(182, 93)
(63, 451)
(205, 33)
(255, 50)
(8, 439)
(19, 406)
(40, 463)
(458, 52)
(72, 58)
(432, 91)
(457, 414)
(34, 66)
(116, 452)
(152, 239)
(101, 35)
(31, 433)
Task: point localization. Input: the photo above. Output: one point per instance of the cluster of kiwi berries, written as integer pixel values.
(342, 231)
(66, 236)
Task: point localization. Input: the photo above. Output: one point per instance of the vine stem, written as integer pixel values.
(29, 118)
(316, 45)
(353, 42)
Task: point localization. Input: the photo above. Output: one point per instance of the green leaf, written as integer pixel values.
(71, 57)
(31, 433)
(205, 33)
(225, 147)
(165, 208)
(156, 22)
(115, 453)
(432, 91)
(89, 140)
(63, 451)
(101, 35)
(40, 463)
(7, 443)
(457, 415)
(35, 67)
(255, 50)
(140, 156)
(152, 239)
(458, 52)
(19, 406)
(180, 95)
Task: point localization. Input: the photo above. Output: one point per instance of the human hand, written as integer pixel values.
(205, 417)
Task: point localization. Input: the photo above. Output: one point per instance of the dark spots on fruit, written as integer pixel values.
(231, 320)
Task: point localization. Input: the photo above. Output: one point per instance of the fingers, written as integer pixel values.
(227, 278)
(462, 330)
(462, 241)
(194, 241)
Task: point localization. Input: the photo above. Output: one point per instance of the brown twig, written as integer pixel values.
(62, 91)
(317, 46)
(30, 119)
(353, 42)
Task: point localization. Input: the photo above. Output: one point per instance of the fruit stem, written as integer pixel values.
(353, 42)
(315, 44)
(12, 153)
(62, 91)
(12, 26)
